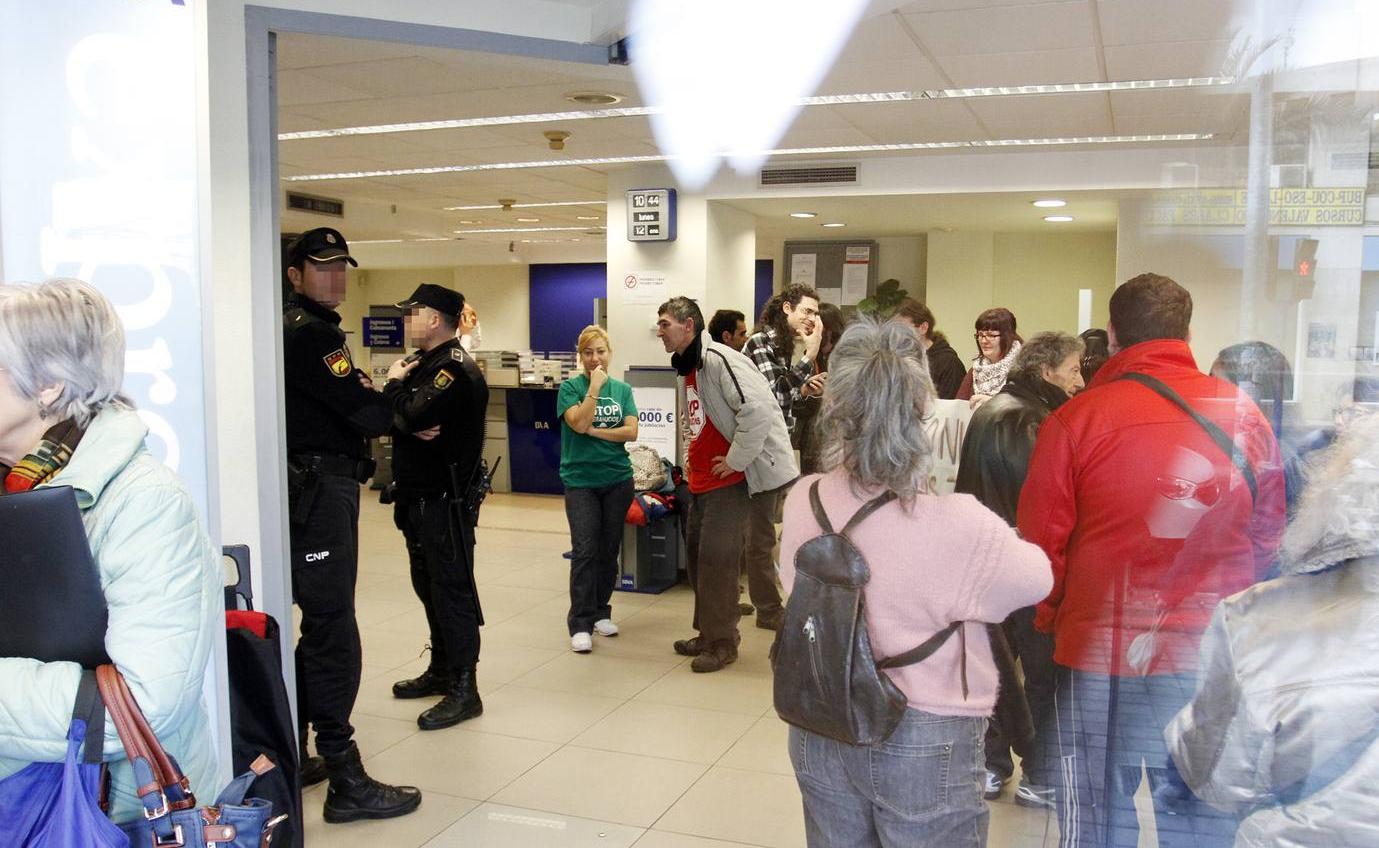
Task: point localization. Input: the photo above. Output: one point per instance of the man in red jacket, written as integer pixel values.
(1148, 522)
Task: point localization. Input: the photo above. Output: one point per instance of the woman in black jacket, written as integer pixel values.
(945, 366)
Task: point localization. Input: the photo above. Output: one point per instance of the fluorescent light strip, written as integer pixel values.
(526, 205)
(528, 230)
(789, 151)
(395, 241)
(818, 100)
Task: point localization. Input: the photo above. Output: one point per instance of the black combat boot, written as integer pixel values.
(353, 795)
(461, 702)
(312, 770)
(429, 682)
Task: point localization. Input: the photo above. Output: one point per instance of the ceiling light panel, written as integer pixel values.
(816, 100)
(525, 205)
(523, 230)
(792, 151)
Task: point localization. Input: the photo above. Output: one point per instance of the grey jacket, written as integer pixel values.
(1284, 731)
(739, 402)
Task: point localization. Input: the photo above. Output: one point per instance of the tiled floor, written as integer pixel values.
(624, 747)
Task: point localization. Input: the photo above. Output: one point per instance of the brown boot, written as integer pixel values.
(717, 655)
(770, 619)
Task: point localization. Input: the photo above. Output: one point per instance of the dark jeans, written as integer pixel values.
(758, 562)
(1106, 729)
(596, 517)
(717, 532)
(1035, 652)
(921, 787)
(325, 565)
(441, 578)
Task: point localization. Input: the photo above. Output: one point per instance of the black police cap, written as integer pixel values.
(443, 300)
(319, 245)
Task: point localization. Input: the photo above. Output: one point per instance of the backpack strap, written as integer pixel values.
(858, 517)
(1219, 436)
(926, 649)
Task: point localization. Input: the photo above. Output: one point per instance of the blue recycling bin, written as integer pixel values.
(534, 441)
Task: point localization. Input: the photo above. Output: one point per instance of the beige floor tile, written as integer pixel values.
(1020, 827)
(740, 806)
(602, 785)
(762, 748)
(666, 839)
(501, 602)
(545, 573)
(541, 714)
(370, 609)
(735, 689)
(660, 730)
(544, 632)
(396, 641)
(459, 762)
(375, 734)
(593, 674)
(436, 813)
(497, 826)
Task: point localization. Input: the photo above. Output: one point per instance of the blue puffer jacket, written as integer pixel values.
(162, 581)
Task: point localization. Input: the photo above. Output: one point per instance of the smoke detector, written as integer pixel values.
(556, 138)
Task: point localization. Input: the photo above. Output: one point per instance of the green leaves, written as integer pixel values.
(888, 296)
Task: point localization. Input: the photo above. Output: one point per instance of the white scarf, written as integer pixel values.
(988, 378)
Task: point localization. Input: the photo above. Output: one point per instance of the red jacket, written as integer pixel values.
(1142, 515)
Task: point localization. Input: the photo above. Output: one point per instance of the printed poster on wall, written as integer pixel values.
(645, 288)
(803, 268)
(856, 269)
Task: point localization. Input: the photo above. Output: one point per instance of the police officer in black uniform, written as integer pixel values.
(332, 412)
(439, 386)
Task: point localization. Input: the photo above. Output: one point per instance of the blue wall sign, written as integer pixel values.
(382, 332)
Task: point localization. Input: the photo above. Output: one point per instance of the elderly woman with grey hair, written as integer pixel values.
(933, 560)
(1284, 729)
(64, 423)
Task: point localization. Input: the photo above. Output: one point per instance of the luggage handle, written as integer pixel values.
(243, 586)
(155, 771)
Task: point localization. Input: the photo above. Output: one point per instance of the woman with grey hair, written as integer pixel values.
(933, 560)
(64, 423)
(993, 465)
(1284, 729)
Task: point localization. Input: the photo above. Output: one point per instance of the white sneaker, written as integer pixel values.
(581, 643)
(991, 789)
(605, 627)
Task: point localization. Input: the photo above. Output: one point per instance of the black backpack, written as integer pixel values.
(827, 680)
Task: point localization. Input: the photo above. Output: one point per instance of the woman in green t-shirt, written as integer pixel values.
(597, 418)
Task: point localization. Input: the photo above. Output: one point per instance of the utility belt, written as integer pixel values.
(358, 470)
(304, 472)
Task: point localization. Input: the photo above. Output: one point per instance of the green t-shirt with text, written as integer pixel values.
(587, 462)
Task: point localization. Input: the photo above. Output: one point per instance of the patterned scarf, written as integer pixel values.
(45, 461)
(988, 378)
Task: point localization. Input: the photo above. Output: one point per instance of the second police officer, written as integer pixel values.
(439, 398)
(332, 412)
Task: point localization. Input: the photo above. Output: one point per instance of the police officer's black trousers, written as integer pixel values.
(325, 564)
(440, 576)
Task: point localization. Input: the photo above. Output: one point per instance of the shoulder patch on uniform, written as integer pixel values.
(457, 354)
(338, 362)
(442, 380)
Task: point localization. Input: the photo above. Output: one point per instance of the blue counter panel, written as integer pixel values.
(534, 441)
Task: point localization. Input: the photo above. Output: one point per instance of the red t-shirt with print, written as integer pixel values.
(706, 444)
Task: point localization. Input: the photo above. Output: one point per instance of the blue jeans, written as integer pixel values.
(1106, 729)
(921, 787)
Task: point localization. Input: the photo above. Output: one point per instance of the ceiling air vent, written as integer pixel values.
(316, 205)
(812, 174)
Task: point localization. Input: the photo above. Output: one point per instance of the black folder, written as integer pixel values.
(51, 604)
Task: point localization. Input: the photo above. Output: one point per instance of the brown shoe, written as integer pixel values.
(721, 653)
(745, 609)
(689, 647)
(770, 620)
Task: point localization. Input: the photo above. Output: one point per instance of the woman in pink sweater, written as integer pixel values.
(933, 560)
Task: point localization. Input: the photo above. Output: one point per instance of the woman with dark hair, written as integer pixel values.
(998, 345)
(805, 439)
(1095, 351)
(945, 366)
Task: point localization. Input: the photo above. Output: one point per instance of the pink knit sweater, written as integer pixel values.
(947, 558)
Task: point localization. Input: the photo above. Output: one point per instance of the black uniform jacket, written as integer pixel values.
(945, 368)
(999, 441)
(449, 390)
(328, 409)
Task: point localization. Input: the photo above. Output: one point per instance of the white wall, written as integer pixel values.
(500, 294)
(961, 282)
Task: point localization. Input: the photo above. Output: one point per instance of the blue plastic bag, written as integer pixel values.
(56, 805)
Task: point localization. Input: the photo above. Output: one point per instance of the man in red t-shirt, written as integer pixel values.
(738, 445)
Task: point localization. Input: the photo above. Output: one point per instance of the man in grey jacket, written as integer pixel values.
(738, 446)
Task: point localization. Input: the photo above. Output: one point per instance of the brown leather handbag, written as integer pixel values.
(171, 817)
